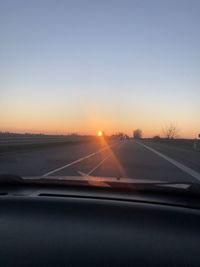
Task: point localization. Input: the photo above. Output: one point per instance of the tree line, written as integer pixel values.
(170, 131)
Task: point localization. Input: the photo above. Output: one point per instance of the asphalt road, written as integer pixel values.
(128, 159)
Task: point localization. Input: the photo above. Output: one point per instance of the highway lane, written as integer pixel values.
(117, 159)
(40, 160)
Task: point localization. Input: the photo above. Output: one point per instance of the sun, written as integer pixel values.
(100, 133)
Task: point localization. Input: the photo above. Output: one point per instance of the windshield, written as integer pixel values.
(100, 89)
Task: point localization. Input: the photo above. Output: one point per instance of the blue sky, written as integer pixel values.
(87, 65)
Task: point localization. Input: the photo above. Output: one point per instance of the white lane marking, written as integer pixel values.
(179, 165)
(78, 160)
(93, 180)
(99, 164)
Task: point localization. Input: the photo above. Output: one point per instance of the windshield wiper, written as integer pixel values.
(167, 187)
(11, 179)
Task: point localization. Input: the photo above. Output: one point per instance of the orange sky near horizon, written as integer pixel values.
(49, 122)
(47, 116)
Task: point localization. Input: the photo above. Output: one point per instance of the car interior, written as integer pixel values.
(43, 224)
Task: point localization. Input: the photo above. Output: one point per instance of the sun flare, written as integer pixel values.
(100, 133)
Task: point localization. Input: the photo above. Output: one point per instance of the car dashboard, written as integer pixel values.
(72, 226)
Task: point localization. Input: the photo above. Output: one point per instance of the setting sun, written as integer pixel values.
(100, 133)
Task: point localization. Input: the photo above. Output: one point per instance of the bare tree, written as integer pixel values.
(137, 134)
(171, 131)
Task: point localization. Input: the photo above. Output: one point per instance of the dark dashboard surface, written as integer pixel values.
(42, 228)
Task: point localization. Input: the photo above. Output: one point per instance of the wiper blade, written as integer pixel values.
(123, 185)
(172, 187)
(11, 179)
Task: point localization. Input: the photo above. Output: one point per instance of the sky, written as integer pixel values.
(111, 65)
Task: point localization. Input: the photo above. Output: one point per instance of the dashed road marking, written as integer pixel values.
(99, 164)
(78, 160)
